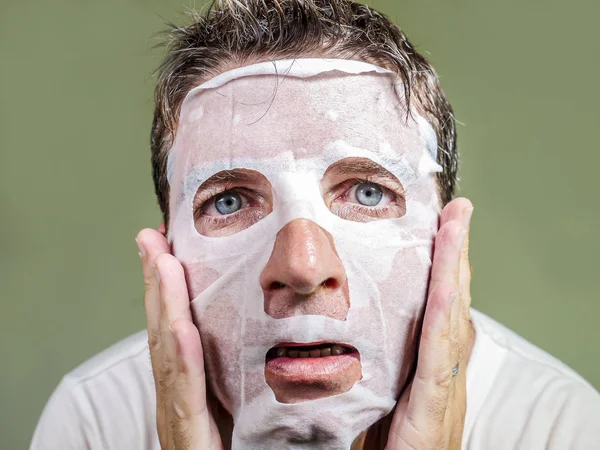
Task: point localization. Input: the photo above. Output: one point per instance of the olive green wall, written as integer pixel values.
(75, 186)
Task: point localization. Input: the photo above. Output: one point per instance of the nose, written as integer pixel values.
(304, 274)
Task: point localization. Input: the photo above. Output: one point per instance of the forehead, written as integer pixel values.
(261, 116)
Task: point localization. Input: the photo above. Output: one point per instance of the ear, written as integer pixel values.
(162, 229)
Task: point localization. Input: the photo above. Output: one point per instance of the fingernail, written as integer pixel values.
(142, 251)
(461, 238)
(466, 218)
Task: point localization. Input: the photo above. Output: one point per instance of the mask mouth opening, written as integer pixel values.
(314, 350)
(298, 372)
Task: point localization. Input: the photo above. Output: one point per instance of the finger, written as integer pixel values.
(444, 281)
(464, 278)
(191, 423)
(426, 408)
(446, 256)
(173, 304)
(151, 244)
(173, 293)
(461, 210)
(437, 352)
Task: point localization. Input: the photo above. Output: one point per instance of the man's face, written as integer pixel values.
(303, 212)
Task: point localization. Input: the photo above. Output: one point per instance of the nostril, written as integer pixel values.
(275, 285)
(330, 283)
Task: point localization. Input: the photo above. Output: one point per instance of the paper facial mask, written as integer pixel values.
(263, 154)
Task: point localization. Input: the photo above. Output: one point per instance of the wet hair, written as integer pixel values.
(234, 33)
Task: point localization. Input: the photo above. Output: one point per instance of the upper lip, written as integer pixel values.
(310, 344)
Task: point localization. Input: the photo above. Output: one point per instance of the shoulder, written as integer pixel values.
(522, 397)
(105, 403)
(125, 360)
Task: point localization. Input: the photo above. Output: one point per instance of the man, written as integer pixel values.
(287, 214)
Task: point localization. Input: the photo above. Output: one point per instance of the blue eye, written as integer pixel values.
(228, 203)
(369, 194)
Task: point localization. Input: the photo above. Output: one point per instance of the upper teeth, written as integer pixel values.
(303, 352)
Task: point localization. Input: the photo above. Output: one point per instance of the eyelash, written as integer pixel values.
(347, 185)
(201, 205)
(375, 212)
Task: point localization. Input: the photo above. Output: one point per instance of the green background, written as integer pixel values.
(75, 185)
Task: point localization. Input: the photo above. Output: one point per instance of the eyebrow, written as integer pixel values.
(226, 177)
(362, 166)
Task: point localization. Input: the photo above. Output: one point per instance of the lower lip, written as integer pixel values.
(324, 370)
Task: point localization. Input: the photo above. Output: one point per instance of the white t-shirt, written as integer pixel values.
(519, 397)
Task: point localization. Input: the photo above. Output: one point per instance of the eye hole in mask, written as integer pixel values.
(361, 190)
(231, 201)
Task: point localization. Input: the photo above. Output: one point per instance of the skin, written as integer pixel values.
(431, 411)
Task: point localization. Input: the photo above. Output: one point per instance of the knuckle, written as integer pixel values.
(443, 377)
(180, 411)
(163, 385)
(154, 342)
(163, 378)
(149, 282)
(168, 370)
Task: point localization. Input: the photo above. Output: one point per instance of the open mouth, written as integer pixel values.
(308, 351)
(298, 372)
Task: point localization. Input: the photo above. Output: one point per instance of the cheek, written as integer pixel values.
(427, 196)
(254, 372)
(198, 277)
(423, 209)
(403, 298)
(221, 350)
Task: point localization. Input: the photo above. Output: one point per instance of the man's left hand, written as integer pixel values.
(431, 412)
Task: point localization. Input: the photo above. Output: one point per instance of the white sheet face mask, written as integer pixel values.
(285, 135)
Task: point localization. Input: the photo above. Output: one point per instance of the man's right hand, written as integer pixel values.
(183, 418)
